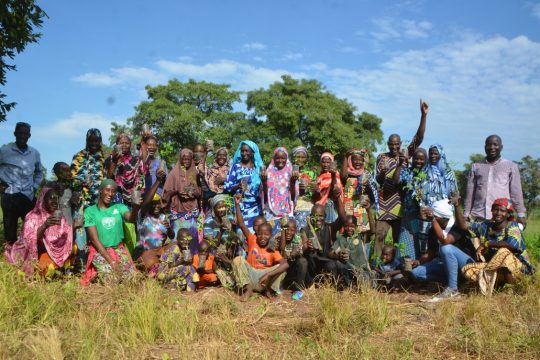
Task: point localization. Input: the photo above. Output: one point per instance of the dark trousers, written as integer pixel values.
(296, 274)
(14, 207)
(319, 265)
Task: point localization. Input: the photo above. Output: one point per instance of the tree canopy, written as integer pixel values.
(18, 22)
(288, 113)
(529, 169)
(184, 114)
(295, 112)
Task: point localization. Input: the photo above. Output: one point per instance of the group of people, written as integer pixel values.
(213, 219)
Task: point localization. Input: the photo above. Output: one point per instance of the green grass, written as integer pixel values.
(141, 320)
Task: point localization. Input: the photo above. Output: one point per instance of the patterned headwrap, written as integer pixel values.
(327, 154)
(507, 204)
(299, 149)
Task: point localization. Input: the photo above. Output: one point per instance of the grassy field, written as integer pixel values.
(141, 320)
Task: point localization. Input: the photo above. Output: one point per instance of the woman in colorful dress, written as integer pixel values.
(326, 182)
(182, 192)
(358, 182)
(502, 252)
(304, 195)
(412, 179)
(441, 181)
(108, 258)
(46, 240)
(244, 177)
(216, 175)
(87, 167)
(127, 170)
(279, 187)
(153, 162)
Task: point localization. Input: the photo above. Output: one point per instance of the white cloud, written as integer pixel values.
(254, 46)
(392, 29)
(536, 10)
(123, 75)
(475, 87)
(315, 66)
(292, 57)
(61, 139)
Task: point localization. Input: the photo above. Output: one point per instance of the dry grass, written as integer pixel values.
(141, 320)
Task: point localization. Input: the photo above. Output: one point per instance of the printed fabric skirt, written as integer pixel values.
(485, 273)
(98, 266)
(194, 222)
(180, 277)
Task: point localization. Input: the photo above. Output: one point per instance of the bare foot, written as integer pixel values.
(247, 293)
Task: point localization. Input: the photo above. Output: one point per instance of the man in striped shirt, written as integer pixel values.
(490, 179)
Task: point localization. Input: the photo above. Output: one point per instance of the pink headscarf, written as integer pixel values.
(350, 168)
(278, 182)
(57, 239)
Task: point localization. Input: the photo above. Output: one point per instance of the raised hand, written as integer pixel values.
(424, 107)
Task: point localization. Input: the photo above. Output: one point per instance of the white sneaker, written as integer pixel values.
(445, 295)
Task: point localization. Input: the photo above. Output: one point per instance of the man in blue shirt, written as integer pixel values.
(20, 175)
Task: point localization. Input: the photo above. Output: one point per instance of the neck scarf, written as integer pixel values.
(278, 182)
(217, 171)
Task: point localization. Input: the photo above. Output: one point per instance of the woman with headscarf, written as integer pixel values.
(327, 180)
(244, 177)
(216, 175)
(108, 258)
(182, 192)
(304, 195)
(358, 184)
(87, 167)
(411, 179)
(279, 185)
(440, 182)
(46, 240)
(152, 161)
(126, 169)
(502, 252)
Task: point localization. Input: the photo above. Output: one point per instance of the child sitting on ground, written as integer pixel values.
(205, 265)
(350, 253)
(175, 267)
(290, 246)
(263, 270)
(389, 268)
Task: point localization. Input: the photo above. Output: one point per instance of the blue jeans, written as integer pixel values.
(430, 271)
(454, 259)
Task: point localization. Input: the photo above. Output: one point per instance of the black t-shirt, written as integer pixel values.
(461, 241)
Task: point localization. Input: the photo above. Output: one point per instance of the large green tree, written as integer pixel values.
(529, 170)
(182, 114)
(295, 112)
(18, 22)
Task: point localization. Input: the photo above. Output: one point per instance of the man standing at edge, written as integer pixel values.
(490, 179)
(21, 173)
(389, 214)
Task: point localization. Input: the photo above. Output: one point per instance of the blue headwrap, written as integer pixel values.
(257, 161)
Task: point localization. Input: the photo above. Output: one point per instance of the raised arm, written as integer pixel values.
(148, 197)
(419, 136)
(239, 218)
(345, 168)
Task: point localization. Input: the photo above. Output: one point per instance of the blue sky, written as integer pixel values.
(476, 62)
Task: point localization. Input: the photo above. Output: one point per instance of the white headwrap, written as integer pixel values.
(443, 209)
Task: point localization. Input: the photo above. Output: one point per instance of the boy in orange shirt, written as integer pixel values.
(264, 269)
(206, 270)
